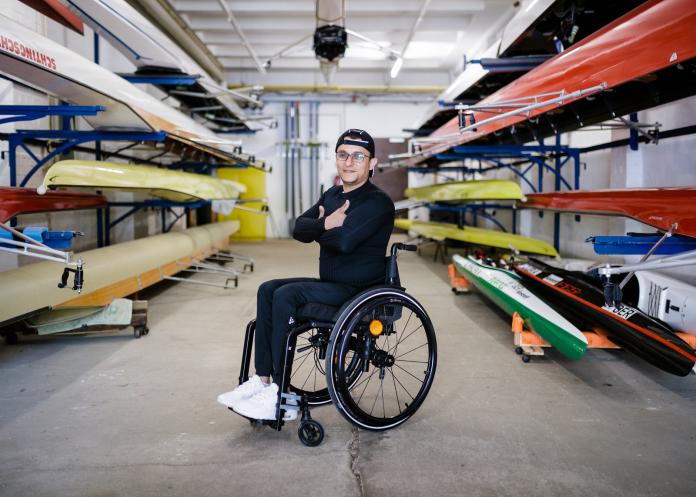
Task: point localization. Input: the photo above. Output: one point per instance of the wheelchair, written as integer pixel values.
(374, 358)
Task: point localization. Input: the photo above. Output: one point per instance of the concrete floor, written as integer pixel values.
(113, 416)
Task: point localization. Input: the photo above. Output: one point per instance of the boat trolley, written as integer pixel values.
(374, 358)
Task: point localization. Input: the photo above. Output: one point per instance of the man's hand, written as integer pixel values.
(336, 218)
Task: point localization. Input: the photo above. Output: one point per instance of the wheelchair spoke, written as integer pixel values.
(407, 337)
(408, 373)
(401, 384)
(307, 373)
(405, 353)
(298, 366)
(398, 338)
(396, 392)
(367, 383)
(381, 383)
(364, 380)
(315, 379)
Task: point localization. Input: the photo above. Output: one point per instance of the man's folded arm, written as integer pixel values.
(359, 225)
(309, 226)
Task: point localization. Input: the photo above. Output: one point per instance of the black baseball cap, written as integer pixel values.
(357, 137)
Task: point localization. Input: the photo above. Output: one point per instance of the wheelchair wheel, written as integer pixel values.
(395, 339)
(308, 375)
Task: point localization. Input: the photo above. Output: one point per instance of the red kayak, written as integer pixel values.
(657, 207)
(14, 201)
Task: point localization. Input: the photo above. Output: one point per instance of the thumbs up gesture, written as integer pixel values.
(336, 218)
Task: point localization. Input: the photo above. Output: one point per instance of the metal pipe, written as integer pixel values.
(522, 110)
(299, 159)
(649, 253)
(348, 89)
(245, 41)
(292, 161)
(420, 17)
(286, 153)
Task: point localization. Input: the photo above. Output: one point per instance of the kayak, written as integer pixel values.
(176, 186)
(492, 189)
(476, 236)
(580, 298)
(504, 288)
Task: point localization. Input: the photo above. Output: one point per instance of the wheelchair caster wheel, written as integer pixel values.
(526, 358)
(311, 433)
(518, 350)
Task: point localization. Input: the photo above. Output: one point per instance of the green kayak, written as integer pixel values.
(504, 288)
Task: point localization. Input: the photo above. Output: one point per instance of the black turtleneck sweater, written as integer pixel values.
(353, 254)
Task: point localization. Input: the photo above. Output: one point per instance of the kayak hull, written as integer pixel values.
(581, 301)
(507, 292)
(476, 236)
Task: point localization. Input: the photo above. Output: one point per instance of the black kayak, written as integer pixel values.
(580, 299)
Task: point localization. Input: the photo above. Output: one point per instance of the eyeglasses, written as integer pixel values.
(342, 155)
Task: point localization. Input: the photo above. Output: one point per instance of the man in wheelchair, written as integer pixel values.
(353, 337)
(352, 223)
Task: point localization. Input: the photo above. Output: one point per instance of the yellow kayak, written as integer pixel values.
(476, 236)
(110, 272)
(467, 190)
(164, 183)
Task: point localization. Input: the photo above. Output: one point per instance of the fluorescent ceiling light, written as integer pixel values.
(426, 49)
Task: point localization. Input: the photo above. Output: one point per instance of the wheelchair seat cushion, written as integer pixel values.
(313, 311)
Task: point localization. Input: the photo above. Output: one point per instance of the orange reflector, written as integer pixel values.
(376, 327)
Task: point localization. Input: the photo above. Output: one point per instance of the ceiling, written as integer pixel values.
(449, 29)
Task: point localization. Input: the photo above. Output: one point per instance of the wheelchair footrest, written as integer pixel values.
(288, 406)
(272, 423)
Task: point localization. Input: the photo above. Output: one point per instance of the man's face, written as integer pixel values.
(351, 171)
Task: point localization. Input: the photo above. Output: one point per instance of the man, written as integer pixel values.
(352, 223)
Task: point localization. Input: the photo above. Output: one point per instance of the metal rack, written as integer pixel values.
(527, 162)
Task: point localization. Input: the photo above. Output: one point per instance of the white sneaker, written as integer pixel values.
(244, 391)
(260, 406)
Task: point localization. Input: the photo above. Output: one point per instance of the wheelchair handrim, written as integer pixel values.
(341, 395)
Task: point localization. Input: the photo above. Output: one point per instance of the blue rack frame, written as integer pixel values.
(70, 139)
(165, 206)
(162, 80)
(32, 112)
(528, 157)
(478, 210)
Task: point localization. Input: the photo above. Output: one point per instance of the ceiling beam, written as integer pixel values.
(307, 24)
(296, 7)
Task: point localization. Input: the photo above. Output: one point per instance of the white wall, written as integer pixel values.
(380, 119)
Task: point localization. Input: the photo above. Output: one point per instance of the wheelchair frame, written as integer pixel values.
(349, 318)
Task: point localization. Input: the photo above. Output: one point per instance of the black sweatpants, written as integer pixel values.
(276, 302)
